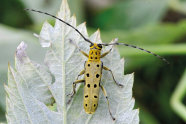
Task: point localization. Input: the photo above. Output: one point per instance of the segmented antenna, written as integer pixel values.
(104, 44)
(116, 43)
(61, 21)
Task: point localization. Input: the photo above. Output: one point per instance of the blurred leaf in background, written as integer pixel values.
(130, 14)
(177, 102)
(12, 14)
(156, 25)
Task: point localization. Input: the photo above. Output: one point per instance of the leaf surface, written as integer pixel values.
(31, 87)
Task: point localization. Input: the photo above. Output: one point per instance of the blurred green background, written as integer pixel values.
(156, 25)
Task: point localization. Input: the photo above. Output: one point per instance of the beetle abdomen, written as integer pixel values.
(93, 72)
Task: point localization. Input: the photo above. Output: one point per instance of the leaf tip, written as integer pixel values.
(85, 23)
(65, 7)
(8, 64)
(74, 16)
(20, 52)
(9, 67)
(98, 30)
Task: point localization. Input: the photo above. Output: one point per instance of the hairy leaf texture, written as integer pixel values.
(33, 87)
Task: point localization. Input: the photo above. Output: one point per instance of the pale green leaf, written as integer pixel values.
(32, 86)
(36, 76)
(22, 106)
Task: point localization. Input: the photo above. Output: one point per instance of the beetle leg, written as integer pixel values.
(107, 69)
(85, 54)
(81, 73)
(74, 89)
(105, 94)
(104, 54)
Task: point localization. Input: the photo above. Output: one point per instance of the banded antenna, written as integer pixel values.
(132, 46)
(104, 44)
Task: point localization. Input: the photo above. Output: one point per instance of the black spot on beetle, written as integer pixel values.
(94, 105)
(87, 74)
(95, 57)
(95, 85)
(95, 97)
(85, 104)
(88, 85)
(96, 53)
(86, 96)
(91, 57)
(97, 75)
(88, 65)
(97, 65)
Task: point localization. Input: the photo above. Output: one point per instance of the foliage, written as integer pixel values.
(177, 98)
(158, 25)
(31, 86)
(129, 11)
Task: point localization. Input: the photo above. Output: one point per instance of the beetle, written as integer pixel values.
(93, 70)
(92, 78)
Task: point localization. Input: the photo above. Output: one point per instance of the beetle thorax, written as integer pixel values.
(95, 52)
(94, 55)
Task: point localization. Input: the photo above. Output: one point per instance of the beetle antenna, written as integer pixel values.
(61, 21)
(116, 43)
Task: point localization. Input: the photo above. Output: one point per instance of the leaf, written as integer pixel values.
(36, 76)
(163, 33)
(158, 39)
(9, 40)
(178, 5)
(31, 87)
(130, 14)
(178, 96)
(27, 91)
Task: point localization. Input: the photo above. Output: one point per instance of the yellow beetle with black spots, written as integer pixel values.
(92, 78)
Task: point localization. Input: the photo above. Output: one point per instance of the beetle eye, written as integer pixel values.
(91, 45)
(99, 45)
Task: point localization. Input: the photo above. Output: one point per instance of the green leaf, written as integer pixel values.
(177, 98)
(163, 33)
(130, 14)
(178, 5)
(158, 39)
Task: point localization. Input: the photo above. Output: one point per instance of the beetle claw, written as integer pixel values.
(120, 85)
(69, 101)
(71, 94)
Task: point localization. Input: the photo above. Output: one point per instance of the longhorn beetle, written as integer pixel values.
(93, 70)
